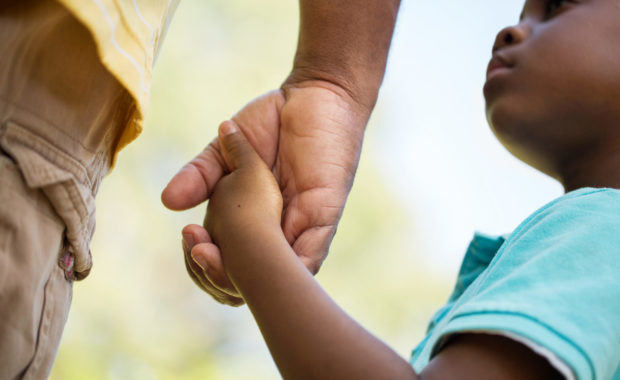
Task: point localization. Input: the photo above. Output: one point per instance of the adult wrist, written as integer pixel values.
(361, 94)
(345, 43)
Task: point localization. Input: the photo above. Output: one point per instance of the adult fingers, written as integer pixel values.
(309, 223)
(194, 183)
(209, 258)
(194, 274)
(312, 245)
(204, 265)
(205, 283)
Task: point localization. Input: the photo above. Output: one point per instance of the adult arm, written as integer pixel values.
(344, 43)
(309, 132)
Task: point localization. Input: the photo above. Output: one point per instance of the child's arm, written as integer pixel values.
(308, 335)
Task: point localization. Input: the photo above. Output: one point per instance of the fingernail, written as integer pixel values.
(202, 263)
(188, 242)
(228, 128)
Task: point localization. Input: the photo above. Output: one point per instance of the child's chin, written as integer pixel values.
(501, 117)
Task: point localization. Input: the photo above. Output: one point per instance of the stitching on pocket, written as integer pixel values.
(16, 139)
(71, 198)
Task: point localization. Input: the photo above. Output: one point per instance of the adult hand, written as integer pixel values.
(310, 135)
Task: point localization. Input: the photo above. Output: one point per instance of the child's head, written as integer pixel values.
(554, 102)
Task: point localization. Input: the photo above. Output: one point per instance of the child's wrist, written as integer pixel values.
(252, 250)
(250, 239)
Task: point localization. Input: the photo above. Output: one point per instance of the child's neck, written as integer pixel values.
(600, 169)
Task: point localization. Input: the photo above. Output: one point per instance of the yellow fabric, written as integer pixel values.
(128, 34)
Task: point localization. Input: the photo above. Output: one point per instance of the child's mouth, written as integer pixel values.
(497, 63)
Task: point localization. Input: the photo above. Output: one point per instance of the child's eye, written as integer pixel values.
(552, 7)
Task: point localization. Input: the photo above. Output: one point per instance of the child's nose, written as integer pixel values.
(510, 35)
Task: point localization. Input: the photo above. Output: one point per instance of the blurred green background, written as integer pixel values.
(430, 174)
(138, 315)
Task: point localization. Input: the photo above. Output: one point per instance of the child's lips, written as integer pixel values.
(497, 66)
(498, 62)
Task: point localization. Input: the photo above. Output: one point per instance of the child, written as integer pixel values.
(543, 303)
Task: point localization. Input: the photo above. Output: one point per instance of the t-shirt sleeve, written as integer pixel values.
(555, 282)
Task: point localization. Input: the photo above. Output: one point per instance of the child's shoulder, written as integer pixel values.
(583, 213)
(551, 283)
(604, 198)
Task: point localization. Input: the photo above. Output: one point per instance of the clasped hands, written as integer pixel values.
(309, 136)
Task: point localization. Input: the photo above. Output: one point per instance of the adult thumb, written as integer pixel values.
(235, 148)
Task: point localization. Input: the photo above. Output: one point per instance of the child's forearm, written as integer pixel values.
(308, 335)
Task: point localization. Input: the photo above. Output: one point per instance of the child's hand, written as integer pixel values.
(246, 199)
(245, 204)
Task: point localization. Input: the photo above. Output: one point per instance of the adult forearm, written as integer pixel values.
(345, 42)
(308, 335)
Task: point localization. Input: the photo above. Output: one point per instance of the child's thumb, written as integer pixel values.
(236, 149)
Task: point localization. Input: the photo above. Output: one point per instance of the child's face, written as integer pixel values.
(554, 95)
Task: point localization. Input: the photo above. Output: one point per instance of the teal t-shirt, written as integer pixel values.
(555, 281)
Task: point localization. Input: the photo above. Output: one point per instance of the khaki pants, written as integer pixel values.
(61, 114)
